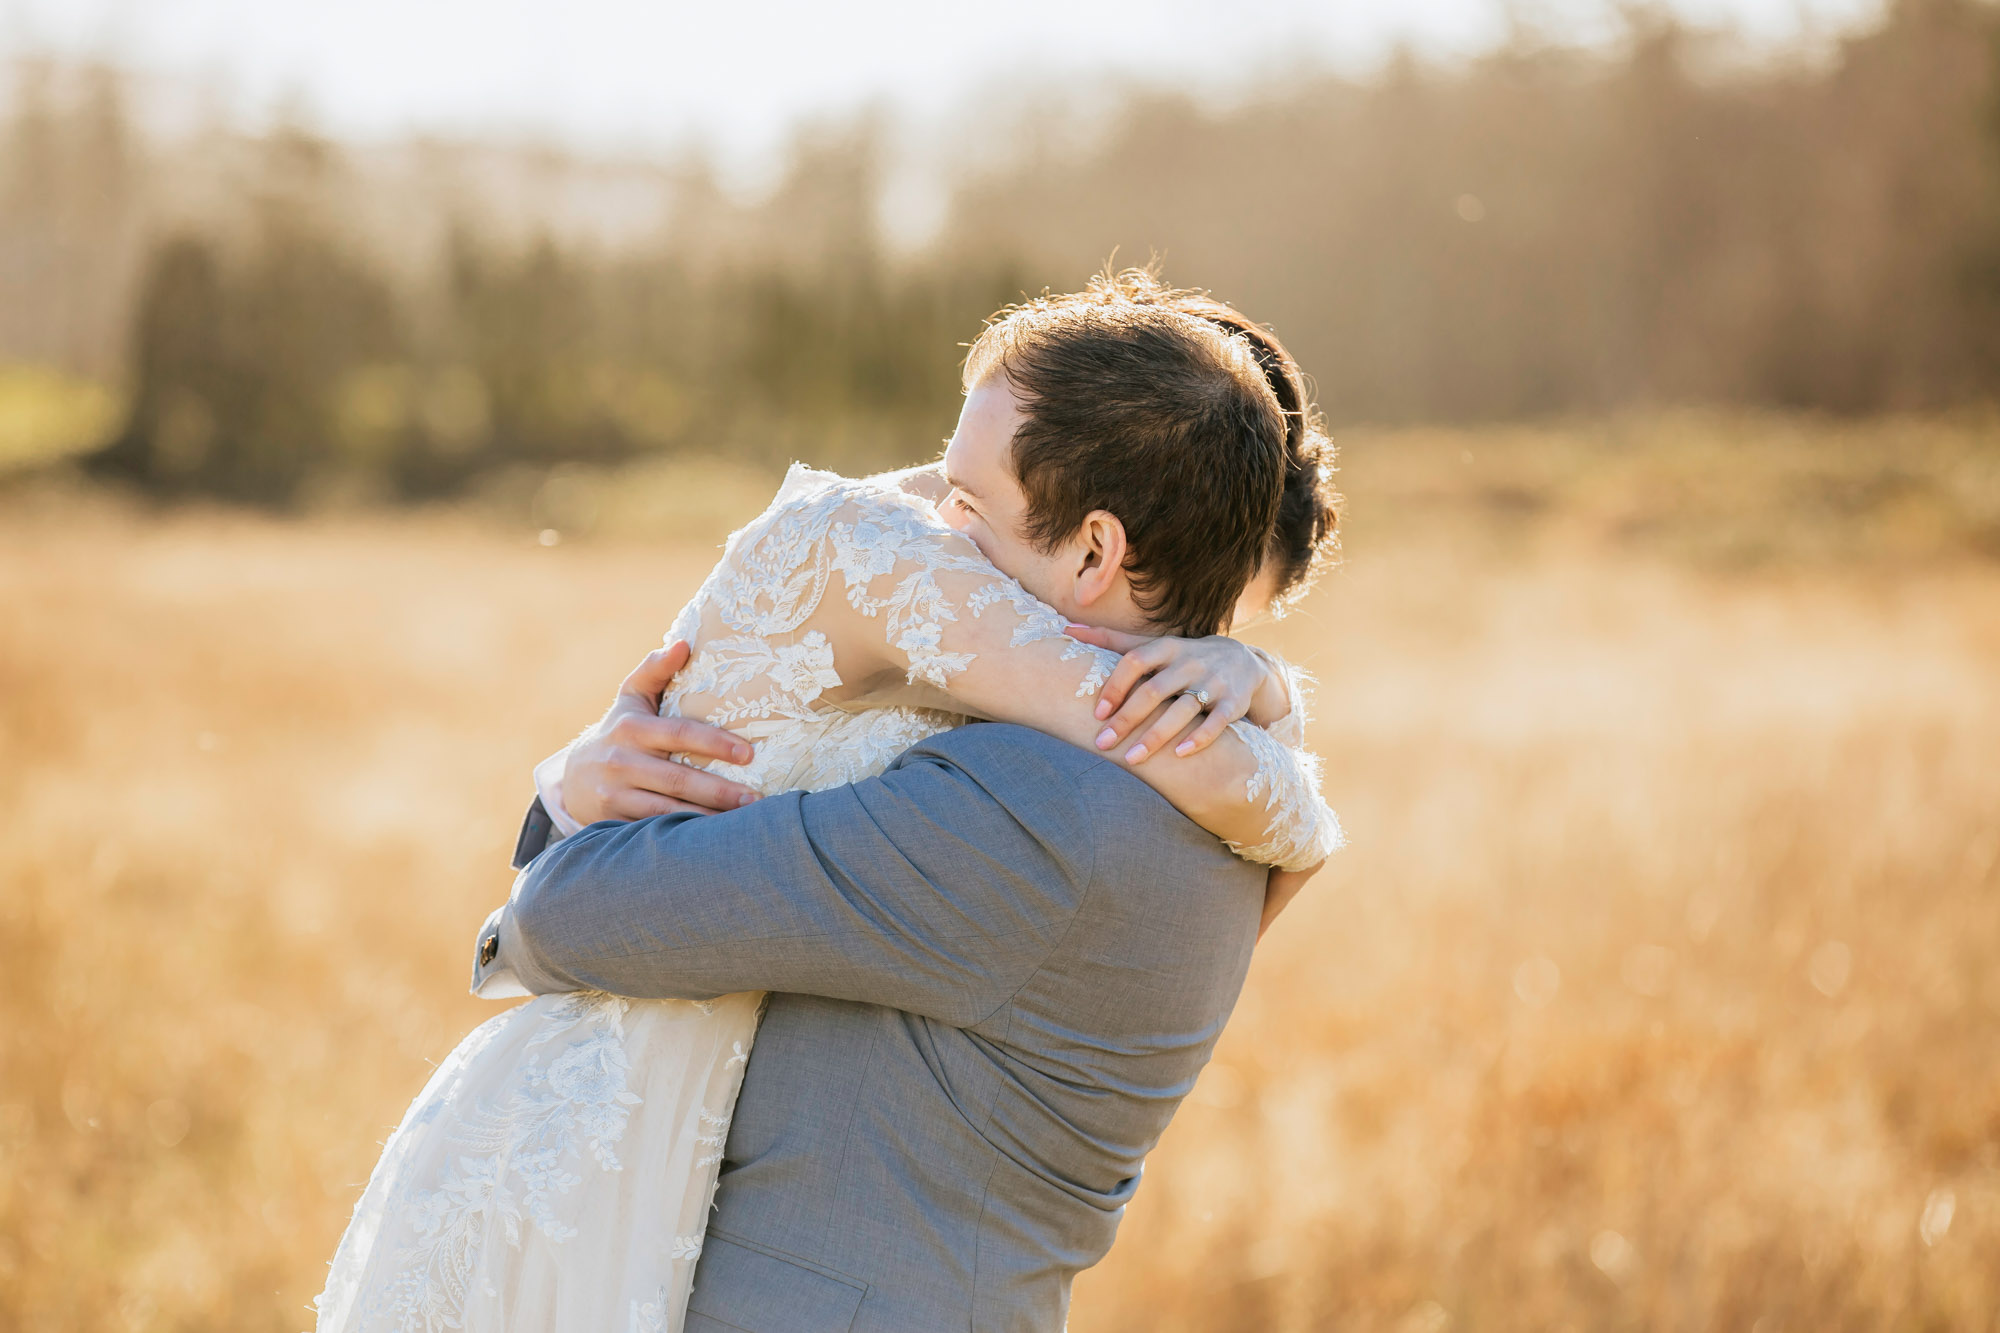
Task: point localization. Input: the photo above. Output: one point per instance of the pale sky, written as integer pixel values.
(643, 73)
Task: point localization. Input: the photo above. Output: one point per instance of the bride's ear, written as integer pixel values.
(1100, 556)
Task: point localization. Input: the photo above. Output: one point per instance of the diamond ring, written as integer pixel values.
(1202, 697)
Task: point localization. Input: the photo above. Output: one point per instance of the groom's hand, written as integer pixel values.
(625, 766)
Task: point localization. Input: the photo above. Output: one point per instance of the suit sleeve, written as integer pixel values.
(927, 889)
(533, 839)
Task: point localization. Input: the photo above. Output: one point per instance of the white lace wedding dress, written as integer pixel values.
(557, 1171)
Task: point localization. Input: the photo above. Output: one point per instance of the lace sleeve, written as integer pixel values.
(855, 592)
(841, 593)
(1302, 830)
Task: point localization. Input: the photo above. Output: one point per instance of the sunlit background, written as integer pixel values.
(377, 379)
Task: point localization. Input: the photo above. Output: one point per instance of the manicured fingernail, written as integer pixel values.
(1184, 748)
(742, 753)
(1103, 709)
(1135, 754)
(1105, 738)
(745, 799)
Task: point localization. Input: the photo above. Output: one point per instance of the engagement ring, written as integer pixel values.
(1201, 697)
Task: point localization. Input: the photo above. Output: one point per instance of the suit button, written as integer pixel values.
(489, 949)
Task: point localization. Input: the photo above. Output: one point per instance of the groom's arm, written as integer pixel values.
(538, 827)
(628, 765)
(937, 888)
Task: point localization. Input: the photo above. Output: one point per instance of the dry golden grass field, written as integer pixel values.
(1658, 989)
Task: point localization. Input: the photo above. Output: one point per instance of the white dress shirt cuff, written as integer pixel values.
(548, 786)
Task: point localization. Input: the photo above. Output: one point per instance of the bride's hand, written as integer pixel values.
(1169, 671)
(625, 766)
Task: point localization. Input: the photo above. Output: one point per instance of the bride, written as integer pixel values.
(557, 1170)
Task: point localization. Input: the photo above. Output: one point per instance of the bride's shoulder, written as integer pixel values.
(812, 496)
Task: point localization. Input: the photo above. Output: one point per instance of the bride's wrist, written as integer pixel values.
(1271, 703)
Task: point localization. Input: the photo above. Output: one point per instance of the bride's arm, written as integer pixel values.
(908, 596)
(926, 482)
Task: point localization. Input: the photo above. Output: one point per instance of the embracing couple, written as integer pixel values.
(884, 1046)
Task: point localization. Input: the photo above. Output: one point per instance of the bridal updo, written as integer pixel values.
(1306, 538)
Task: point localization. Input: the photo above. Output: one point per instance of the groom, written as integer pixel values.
(995, 969)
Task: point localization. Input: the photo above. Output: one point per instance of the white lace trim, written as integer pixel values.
(653, 1316)
(1303, 830)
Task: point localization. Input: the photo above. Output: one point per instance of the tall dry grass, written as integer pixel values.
(1654, 991)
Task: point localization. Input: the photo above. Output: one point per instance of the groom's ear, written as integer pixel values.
(1099, 556)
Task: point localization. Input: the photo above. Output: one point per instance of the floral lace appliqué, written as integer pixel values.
(652, 1316)
(1038, 622)
(760, 672)
(1303, 831)
(519, 1152)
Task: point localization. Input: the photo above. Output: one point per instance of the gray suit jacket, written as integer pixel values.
(996, 970)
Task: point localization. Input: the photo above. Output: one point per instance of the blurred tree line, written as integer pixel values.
(1552, 231)
(276, 357)
(1542, 230)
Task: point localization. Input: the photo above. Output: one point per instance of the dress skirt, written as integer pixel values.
(555, 1173)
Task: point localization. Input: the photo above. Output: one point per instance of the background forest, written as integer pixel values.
(272, 316)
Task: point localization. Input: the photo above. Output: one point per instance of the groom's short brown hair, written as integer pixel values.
(1152, 414)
